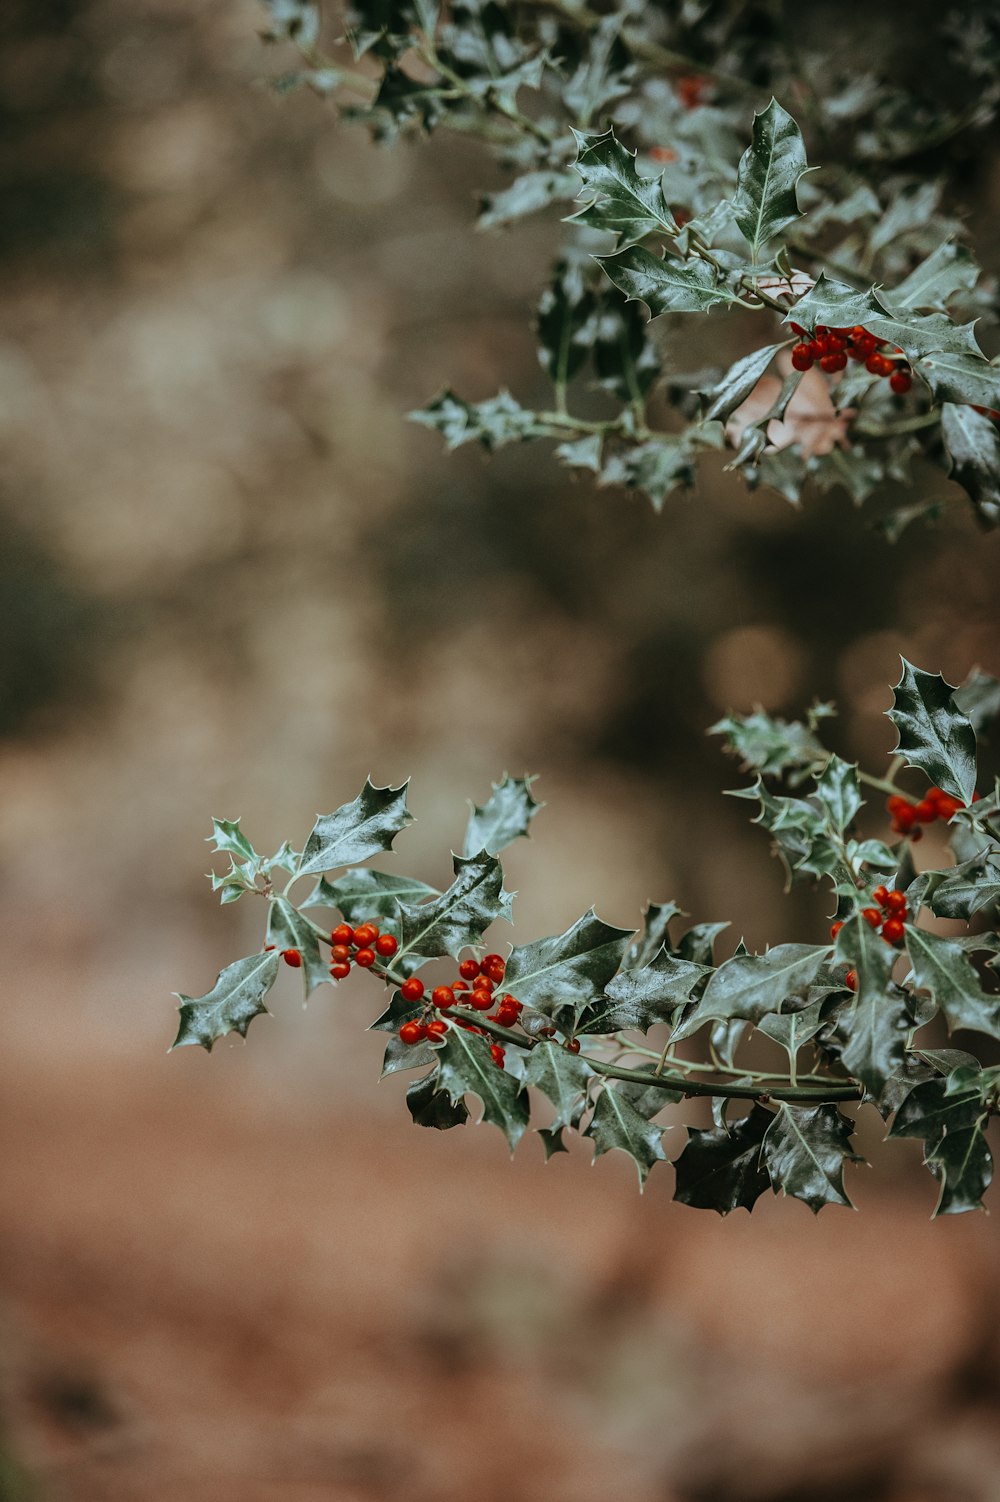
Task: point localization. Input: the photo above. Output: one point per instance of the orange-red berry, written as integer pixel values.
(469, 969)
(365, 958)
(895, 901)
(872, 916)
(880, 894)
(342, 934)
(892, 930)
(386, 946)
(900, 381)
(437, 1028)
(443, 996)
(835, 928)
(412, 1032)
(480, 999)
(802, 357)
(572, 1045)
(497, 1054)
(340, 953)
(292, 957)
(412, 989)
(364, 935)
(341, 970)
(851, 980)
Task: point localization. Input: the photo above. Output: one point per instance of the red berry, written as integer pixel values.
(497, 1054)
(469, 969)
(879, 365)
(896, 901)
(896, 804)
(872, 916)
(483, 983)
(386, 946)
(851, 980)
(342, 934)
(507, 1000)
(926, 811)
(412, 989)
(892, 930)
(546, 1032)
(292, 957)
(412, 1032)
(506, 1016)
(835, 342)
(880, 894)
(802, 357)
(572, 1045)
(481, 1000)
(365, 935)
(797, 328)
(437, 1028)
(905, 819)
(340, 953)
(901, 381)
(833, 362)
(458, 986)
(341, 970)
(493, 962)
(835, 928)
(443, 996)
(365, 958)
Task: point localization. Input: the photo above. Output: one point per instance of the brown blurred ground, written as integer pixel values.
(234, 581)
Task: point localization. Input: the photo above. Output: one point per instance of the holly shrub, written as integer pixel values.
(846, 301)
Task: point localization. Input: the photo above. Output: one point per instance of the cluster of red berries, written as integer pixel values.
(476, 983)
(888, 918)
(832, 348)
(908, 816)
(361, 946)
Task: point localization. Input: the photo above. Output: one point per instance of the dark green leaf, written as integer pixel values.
(956, 1151)
(227, 835)
(721, 1169)
(552, 1141)
(738, 382)
(467, 1067)
(504, 816)
(972, 445)
(630, 205)
(288, 929)
(658, 467)
(400, 1056)
(967, 888)
(493, 423)
(431, 1107)
(655, 934)
(943, 968)
(765, 202)
(792, 1029)
(668, 285)
(805, 1149)
(934, 734)
(876, 1025)
(396, 1013)
(356, 830)
(233, 1002)
(979, 699)
(752, 985)
(569, 970)
(625, 357)
(363, 895)
(770, 746)
(616, 1124)
(698, 944)
(947, 270)
(562, 1077)
(930, 334)
(526, 195)
(957, 377)
(839, 791)
(563, 323)
(636, 999)
(461, 915)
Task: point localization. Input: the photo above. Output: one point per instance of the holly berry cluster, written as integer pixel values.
(832, 348)
(888, 919)
(474, 987)
(908, 816)
(361, 946)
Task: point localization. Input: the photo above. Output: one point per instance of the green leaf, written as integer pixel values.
(431, 1107)
(616, 1124)
(525, 195)
(356, 830)
(792, 1029)
(630, 205)
(972, 444)
(466, 1067)
(805, 1149)
(288, 929)
(396, 1013)
(770, 746)
(552, 1141)
(738, 382)
(655, 934)
(876, 1025)
(668, 285)
(563, 324)
(917, 334)
(493, 423)
(625, 356)
(749, 986)
(765, 201)
(839, 791)
(942, 967)
(233, 1002)
(569, 970)
(363, 895)
(636, 999)
(957, 377)
(698, 944)
(968, 888)
(658, 467)
(934, 734)
(721, 1170)
(461, 915)
(227, 835)
(979, 699)
(503, 818)
(956, 1152)
(947, 270)
(562, 1077)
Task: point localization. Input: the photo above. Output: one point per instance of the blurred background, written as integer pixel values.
(234, 581)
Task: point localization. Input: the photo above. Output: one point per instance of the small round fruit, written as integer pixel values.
(443, 996)
(386, 946)
(342, 934)
(412, 989)
(872, 916)
(892, 930)
(341, 970)
(926, 811)
(365, 958)
(497, 1054)
(292, 957)
(851, 980)
(572, 1045)
(880, 894)
(900, 381)
(412, 1032)
(469, 969)
(437, 1028)
(835, 928)
(340, 953)
(802, 357)
(833, 362)
(506, 1016)
(895, 901)
(364, 935)
(479, 999)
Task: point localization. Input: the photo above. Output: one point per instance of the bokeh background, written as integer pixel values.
(234, 581)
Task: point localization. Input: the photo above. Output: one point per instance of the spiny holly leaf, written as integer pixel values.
(241, 877)
(563, 323)
(770, 746)
(603, 74)
(979, 698)
(956, 1152)
(629, 205)
(957, 377)
(792, 1029)
(721, 1170)
(461, 915)
(934, 734)
(972, 444)
(569, 970)
(356, 830)
(504, 816)
(636, 999)
(947, 270)
(668, 285)
(526, 195)
(288, 929)
(968, 888)
(805, 1149)
(432, 1107)
(749, 986)
(839, 791)
(233, 1002)
(227, 835)
(930, 334)
(396, 1013)
(655, 934)
(943, 968)
(625, 357)
(400, 1056)
(495, 422)
(363, 894)
(552, 1141)
(658, 467)
(876, 1025)
(648, 1100)
(738, 382)
(698, 944)
(562, 1077)
(616, 1124)
(466, 1067)
(765, 201)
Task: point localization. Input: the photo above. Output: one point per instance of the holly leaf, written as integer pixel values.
(956, 1151)
(942, 967)
(570, 970)
(738, 382)
(721, 1169)
(668, 285)
(792, 1029)
(616, 1124)
(972, 445)
(958, 377)
(562, 1077)
(967, 888)
(636, 999)
(396, 1013)
(839, 791)
(698, 944)
(934, 734)
(466, 1067)
(552, 1141)
(749, 986)
(625, 357)
(233, 1002)
(363, 894)
(658, 467)
(498, 421)
(917, 334)
(563, 323)
(979, 698)
(227, 835)
(876, 1025)
(503, 818)
(432, 1107)
(622, 201)
(655, 934)
(356, 830)
(804, 1151)
(765, 201)
(461, 915)
(947, 270)
(288, 929)
(773, 747)
(526, 195)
